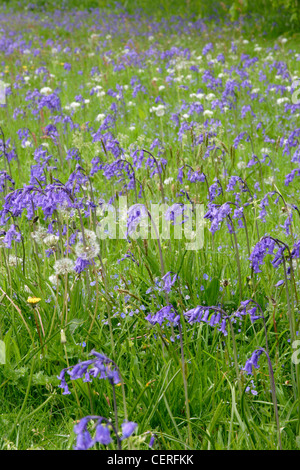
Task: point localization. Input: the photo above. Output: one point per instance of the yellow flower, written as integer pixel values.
(33, 300)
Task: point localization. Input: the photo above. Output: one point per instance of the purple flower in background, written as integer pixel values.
(167, 313)
(168, 281)
(207, 48)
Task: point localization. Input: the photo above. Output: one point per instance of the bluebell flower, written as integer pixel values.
(128, 428)
(253, 362)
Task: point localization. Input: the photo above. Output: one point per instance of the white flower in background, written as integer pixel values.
(283, 100)
(46, 90)
(26, 144)
(158, 110)
(270, 181)
(241, 165)
(89, 236)
(63, 266)
(74, 105)
(51, 240)
(90, 249)
(100, 117)
(169, 180)
(283, 40)
(208, 113)
(13, 261)
(53, 279)
(39, 235)
(161, 87)
(210, 96)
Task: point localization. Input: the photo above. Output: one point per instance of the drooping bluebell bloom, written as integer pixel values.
(253, 362)
(216, 214)
(128, 428)
(264, 247)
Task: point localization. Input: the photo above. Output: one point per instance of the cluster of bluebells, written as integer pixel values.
(266, 246)
(100, 367)
(102, 432)
(165, 314)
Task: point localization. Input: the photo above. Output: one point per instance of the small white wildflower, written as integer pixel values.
(210, 96)
(282, 100)
(169, 180)
(74, 105)
(100, 117)
(46, 90)
(160, 110)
